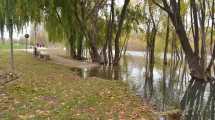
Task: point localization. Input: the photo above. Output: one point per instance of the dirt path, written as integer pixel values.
(71, 62)
(57, 56)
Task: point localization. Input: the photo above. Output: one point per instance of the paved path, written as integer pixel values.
(71, 62)
(57, 56)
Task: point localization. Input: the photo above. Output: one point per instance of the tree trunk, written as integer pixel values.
(72, 52)
(203, 36)
(2, 34)
(117, 38)
(11, 45)
(108, 44)
(212, 26)
(92, 42)
(89, 33)
(193, 60)
(80, 47)
(165, 64)
(196, 29)
(173, 10)
(166, 43)
(111, 26)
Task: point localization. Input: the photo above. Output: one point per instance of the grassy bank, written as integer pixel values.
(48, 91)
(16, 46)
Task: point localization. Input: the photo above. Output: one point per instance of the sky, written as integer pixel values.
(120, 2)
(16, 35)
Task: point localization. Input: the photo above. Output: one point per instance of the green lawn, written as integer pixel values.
(16, 46)
(49, 91)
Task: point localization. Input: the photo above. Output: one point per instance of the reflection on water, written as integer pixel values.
(169, 90)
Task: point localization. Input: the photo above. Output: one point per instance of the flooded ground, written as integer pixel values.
(165, 91)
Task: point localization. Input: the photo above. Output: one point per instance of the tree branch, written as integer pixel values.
(162, 7)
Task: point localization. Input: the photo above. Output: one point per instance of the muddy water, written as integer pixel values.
(166, 90)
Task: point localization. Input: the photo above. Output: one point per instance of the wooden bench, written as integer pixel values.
(43, 55)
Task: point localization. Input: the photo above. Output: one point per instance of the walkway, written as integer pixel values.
(58, 56)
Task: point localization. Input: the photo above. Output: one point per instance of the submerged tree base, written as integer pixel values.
(197, 103)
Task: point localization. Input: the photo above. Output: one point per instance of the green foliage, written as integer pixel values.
(16, 46)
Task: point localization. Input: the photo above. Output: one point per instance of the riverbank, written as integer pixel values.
(46, 90)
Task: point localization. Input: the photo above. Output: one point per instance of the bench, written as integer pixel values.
(43, 55)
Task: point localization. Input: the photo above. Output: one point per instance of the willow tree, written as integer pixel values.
(80, 24)
(88, 17)
(61, 24)
(9, 21)
(14, 15)
(118, 33)
(73, 21)
(2, 21)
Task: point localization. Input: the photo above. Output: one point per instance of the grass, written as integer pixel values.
(16, 46)
(45, 90)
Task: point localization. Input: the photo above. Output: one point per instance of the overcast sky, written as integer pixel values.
(17, 35)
